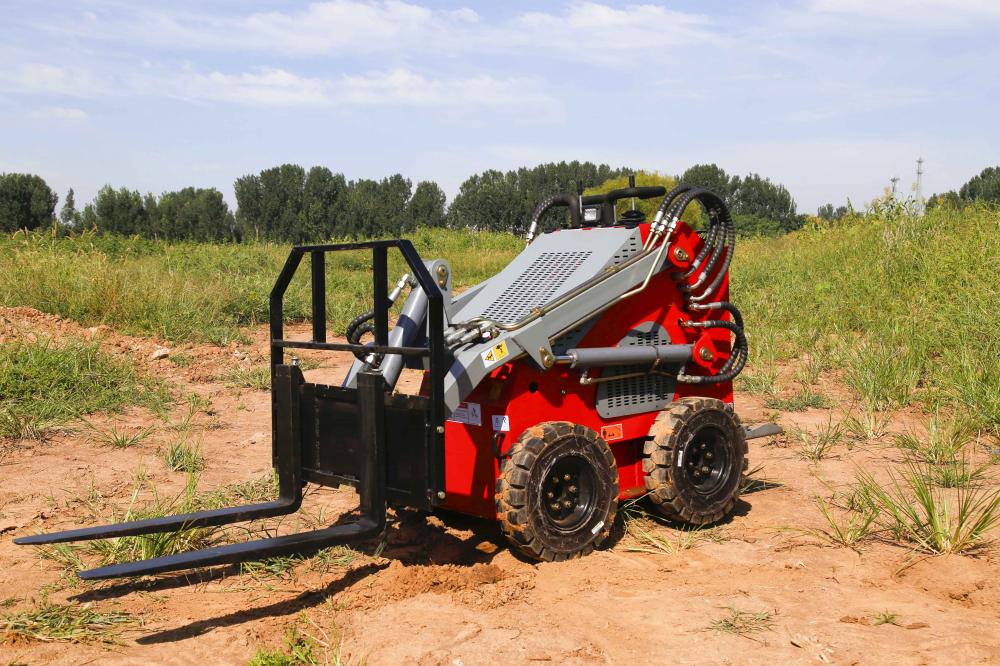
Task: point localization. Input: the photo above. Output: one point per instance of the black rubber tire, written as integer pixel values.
(531, 526)
(679, 440)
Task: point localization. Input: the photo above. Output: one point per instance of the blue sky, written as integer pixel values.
(829, 97)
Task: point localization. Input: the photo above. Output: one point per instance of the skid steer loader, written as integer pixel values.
(596, 367)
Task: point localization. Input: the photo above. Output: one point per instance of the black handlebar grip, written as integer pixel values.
(646, 192)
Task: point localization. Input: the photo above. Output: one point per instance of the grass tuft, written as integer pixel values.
(846, 529)
(65, 622)
(799, 401)
(257, 378)
(913, 510)
(118, 439)
(868, 425)
(885, 617)
(817, 445)
(181, 456)
(651, 536)
(743, 623)
(301, 648)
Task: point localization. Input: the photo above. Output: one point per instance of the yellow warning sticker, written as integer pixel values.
(497, 352)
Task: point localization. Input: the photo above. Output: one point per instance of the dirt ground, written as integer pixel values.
(446, 590)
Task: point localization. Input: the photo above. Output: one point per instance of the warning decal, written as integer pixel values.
(497, 352)
(612, 432)
(501, 423)
(468, 413)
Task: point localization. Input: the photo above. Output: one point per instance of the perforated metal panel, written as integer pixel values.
(631, 246)
(635, 395)
(571, 338)
(535, 285)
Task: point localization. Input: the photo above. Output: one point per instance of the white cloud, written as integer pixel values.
(581, 31)
(61, 113)
(398, 87)
(34, 77)
(900, 14)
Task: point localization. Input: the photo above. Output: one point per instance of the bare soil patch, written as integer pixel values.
(445, 589)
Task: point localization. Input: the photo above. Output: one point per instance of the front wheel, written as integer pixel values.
(694, 459)
(557, 493)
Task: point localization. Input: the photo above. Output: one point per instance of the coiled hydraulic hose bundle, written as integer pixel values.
(719, 242)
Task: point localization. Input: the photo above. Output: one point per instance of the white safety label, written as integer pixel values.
(468, 413)
(501, 423)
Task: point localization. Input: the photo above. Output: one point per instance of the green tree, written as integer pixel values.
(324, 195)
(270, 204)
(504, 200)
(69, 215)
(26, 202)
(121, 211)
(757, 198)
(950, 199)
(426, 206)
(829, 213)
(191, 214)
(712, 178)
(984, 187)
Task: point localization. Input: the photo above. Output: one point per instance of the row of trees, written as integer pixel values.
(290, 203)
(984, 187)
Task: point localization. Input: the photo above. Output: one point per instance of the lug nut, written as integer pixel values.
(555, 506)
(567, 504)
(566, 477)
(550, 495)
(555, 479)
(709, 455)
(705, 469)
(703, 446)
(572, 489)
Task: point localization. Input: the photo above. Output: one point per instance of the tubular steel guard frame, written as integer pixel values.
(436, 350)
(286, 394)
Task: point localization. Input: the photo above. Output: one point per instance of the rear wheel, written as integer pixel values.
(694, 460)
(557, 493)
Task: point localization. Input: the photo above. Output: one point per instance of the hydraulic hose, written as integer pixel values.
(571, 201)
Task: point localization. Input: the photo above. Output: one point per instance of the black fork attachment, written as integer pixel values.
(389, 447)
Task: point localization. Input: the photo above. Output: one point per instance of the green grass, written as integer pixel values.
(44, 384)
(816, 445)
(867, 425)
(799, 401)
(75, 623)
(132, 548)
(913, 510)
(901, 308)
(257, 378)
(908, 305)
(847, 529)
(208, 292)
(118, 439)
(182, 456)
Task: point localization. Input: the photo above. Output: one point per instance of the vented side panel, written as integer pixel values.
(637, 395)
(632, 246)
(535, 285)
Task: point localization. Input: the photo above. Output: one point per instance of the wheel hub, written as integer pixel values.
(567, 493)
(706, 460)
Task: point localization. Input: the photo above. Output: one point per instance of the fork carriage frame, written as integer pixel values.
(328, 435)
